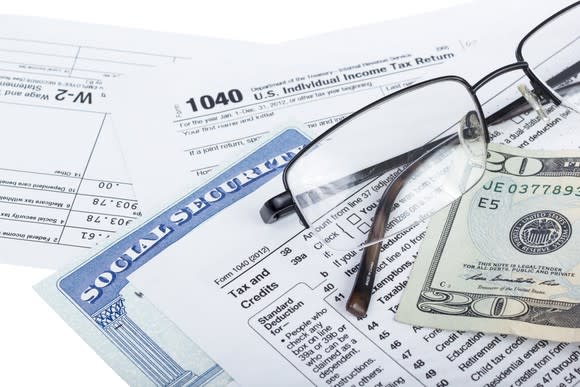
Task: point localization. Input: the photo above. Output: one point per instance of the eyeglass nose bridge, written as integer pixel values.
(539, 88)
(520, 65)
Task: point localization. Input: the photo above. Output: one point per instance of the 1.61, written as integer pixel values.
(208, 102)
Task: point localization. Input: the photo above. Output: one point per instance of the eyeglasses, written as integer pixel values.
(381, 171)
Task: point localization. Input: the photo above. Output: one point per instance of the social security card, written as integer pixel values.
(128, 332)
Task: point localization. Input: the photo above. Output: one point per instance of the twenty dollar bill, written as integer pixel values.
(505, 257)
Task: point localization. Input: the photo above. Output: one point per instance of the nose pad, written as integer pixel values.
(470, 126)
(472, 139)
(533, 100)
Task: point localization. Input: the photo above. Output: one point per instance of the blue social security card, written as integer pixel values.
(129, 333)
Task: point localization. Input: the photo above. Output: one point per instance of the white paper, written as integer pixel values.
(167, 144)
(269, 304)
(277, 294)
(264, 297)
(63, 182)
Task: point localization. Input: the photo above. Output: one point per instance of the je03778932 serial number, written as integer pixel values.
(534, 189)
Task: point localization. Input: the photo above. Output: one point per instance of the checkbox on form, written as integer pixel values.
(517, 119)
(353, 219)
(364, 227)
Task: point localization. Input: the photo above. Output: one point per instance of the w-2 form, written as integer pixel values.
(63, 183)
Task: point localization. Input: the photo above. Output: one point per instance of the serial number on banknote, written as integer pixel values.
(541, 189)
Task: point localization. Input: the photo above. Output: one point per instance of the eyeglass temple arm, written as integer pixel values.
(277, 207)
(359, 299)
(283, 204)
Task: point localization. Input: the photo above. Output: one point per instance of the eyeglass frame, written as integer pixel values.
(283, 204)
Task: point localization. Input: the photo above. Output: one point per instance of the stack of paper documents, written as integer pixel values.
(137, 163)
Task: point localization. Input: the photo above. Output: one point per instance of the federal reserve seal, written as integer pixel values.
(540, 232)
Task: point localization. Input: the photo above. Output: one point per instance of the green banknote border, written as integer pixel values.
(537, 311)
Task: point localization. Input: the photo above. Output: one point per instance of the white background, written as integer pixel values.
(36, 346)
